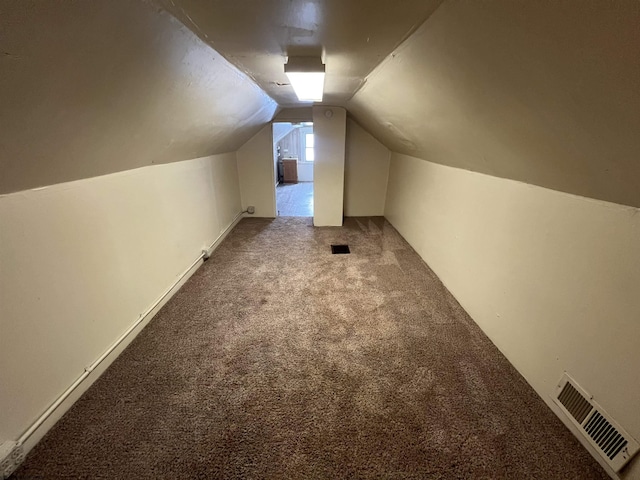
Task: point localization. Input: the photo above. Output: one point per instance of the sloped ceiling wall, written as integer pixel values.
(547, 93)
(351, 36)
(89, 88)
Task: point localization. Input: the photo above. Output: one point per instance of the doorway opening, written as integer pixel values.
(293, 157)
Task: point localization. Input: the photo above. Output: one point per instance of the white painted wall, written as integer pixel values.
(351, 164)
(330, 132)
(305, 171)
(552, 278)
(80, 261)
(366, 173)
(281, 130)
(256, 173)
(300, 114)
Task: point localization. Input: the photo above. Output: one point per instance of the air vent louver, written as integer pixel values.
(605, 435)
(609, 439)
(578, 406)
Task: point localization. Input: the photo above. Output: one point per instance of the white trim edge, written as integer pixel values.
(38, 429)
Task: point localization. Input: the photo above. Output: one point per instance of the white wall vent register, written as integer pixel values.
(610, 440)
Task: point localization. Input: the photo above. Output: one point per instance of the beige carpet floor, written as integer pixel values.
(280, 360)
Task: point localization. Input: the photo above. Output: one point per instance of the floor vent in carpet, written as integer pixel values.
(335, 249)
(609, 439)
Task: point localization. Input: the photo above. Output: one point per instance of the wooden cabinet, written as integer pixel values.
(290, 167)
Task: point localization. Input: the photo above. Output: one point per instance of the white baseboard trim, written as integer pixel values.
(224, 234)
(65, 401)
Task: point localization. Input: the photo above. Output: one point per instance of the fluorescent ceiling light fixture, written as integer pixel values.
(306, 75)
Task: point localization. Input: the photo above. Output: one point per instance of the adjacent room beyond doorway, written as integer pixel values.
(293, 153)
(294, 199)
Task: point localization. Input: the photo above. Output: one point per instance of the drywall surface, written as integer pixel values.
(80, 261)
(281, 130)
(365, 173)
(256, 173)
(301, 114)
(541, 92)
(90, 88)
(552, 278)
(329, 128)
(290, 144)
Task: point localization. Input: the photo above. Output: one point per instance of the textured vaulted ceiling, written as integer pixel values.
(90, 88)
(352, 36)
(546, 93)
